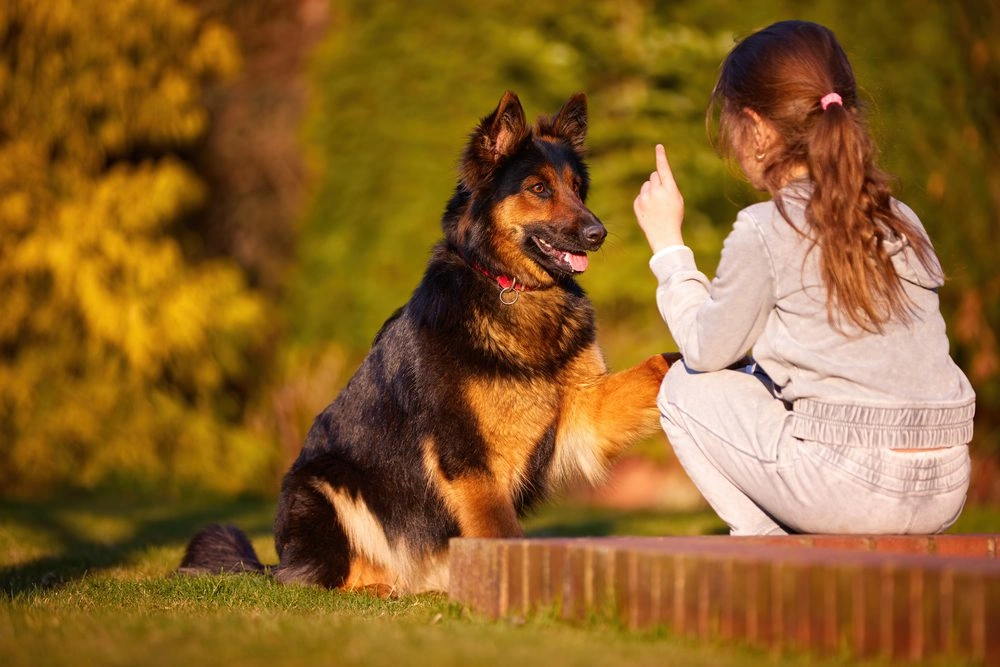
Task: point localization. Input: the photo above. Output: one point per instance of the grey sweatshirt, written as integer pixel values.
(899, 388)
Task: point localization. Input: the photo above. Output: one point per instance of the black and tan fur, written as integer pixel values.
(467, 411)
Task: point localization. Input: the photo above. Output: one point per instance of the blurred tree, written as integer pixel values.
(251, 159)
(124, 353)
(251, 156)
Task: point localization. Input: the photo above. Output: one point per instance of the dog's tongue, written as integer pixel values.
(578, 261)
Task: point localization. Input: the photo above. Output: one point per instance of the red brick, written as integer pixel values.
(603, 583)
(738, 599)
(725, 593)
(796, 600)
(808, 603)
(659, 567)
(866, 612)
(556, 564)
(839, 628)
(667, 593)
(624, 581)
(970, 615)
(908, 544)
(574, 585)
(972, 546)
(685, 606)
(587, 555)
(695, 606)
(758, 603)
(884, 583)
(932, 612)
(516, 580)
(898, 613)
(475, 576)
(768, 631)
(820, 583)
(991, 620)
(502, 577)
(948, 615)
(703, 612)
(537, 589)
(845, 542)
(643, 612)
(916, 647)
(826, 622)
(785, 589)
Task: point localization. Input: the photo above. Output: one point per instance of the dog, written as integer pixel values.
(479, 397)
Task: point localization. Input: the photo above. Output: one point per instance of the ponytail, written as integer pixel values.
(850, 215)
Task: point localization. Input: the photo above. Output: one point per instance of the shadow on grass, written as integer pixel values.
(78, 535)
(83, 551)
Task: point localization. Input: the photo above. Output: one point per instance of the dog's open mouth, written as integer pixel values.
(574, 262)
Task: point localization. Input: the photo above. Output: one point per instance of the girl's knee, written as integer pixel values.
(682, 385)
(672, 387)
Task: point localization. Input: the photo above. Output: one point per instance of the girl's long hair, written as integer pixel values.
(781, 73)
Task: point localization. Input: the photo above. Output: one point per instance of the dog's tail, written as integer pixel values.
(220, 550)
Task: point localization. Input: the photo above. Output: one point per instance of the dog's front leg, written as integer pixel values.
(624, 404)
(482, 509)
(608, 412)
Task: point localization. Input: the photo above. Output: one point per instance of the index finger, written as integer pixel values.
(662, 166)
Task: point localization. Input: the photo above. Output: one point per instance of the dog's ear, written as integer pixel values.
(570, 123)
(505, 128)
(497, 136)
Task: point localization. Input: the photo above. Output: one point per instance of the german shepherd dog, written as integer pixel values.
(480, 396)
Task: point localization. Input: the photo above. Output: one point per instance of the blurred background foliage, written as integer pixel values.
(208, 207)
(125, 351)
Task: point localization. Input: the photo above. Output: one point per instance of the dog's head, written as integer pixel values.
(519, 208)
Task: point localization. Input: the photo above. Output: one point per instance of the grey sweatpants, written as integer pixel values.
(731, 435)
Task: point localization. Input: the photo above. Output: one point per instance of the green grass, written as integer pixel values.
(89, 582)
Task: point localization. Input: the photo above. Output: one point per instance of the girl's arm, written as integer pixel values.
(715, 323)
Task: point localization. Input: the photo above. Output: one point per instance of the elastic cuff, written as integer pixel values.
(664, 251)
(671, 259)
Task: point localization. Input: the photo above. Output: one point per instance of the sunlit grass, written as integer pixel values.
(92, 583)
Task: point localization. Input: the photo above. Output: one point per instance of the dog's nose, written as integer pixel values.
(595, 233)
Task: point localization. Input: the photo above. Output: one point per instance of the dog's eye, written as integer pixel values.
(539, 188)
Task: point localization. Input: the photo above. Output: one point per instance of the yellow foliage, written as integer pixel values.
(122, 355)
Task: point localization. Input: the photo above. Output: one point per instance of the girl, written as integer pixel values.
(851, 417)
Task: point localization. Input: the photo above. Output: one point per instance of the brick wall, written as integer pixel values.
(898, 597)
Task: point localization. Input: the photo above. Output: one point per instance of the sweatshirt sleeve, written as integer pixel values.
(714, 324)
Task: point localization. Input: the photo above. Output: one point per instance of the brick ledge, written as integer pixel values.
(899, 597)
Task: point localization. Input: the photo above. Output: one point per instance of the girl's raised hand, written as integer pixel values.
(659, 206)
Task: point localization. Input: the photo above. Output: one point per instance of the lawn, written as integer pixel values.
(88, 582)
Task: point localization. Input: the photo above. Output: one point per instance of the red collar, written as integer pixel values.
(510, 290)
(505, 282)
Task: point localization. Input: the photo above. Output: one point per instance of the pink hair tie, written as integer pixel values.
(830, 98)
